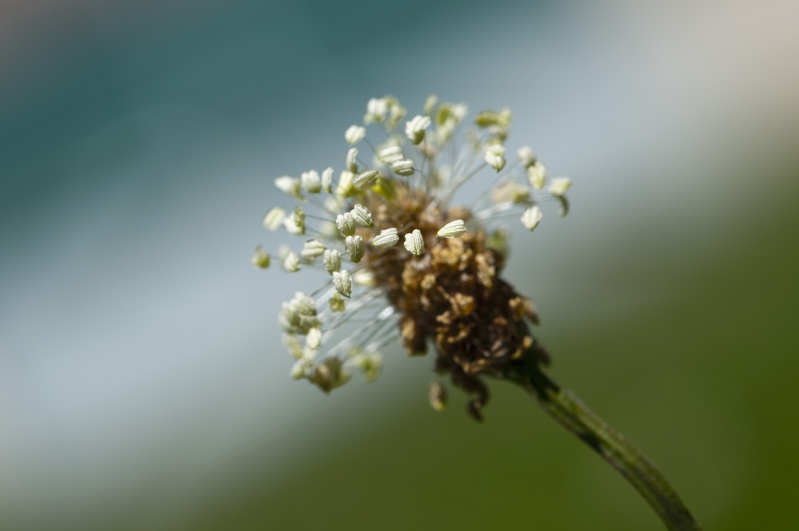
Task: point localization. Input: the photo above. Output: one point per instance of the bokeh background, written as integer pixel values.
(142, 385)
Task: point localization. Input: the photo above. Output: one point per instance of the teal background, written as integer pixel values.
(142, 385)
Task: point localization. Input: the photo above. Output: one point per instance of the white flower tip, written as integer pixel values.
(559, 186)
(354, 247)
(314, 338)
(312, 250)
(414, 128)
(527, 156)
(291, 262)
(453, 229)
(290, 186)
(327, 180)
(390, 154)
(403, 167)
(354, 134)
(352, 165)
(376, 110)
(332, 260)
(345, 188)
(386, 238)
(414, 242)
(364, 180)
(536, 174)
(345, 224)
(342, 281)
(274, 218)
(531, 217)
(495, 156)
(311, 182)
(295, 223)
(362, 216)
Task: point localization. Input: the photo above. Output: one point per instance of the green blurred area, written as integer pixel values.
(704, 384)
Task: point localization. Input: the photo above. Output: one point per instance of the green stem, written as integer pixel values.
(611, 445)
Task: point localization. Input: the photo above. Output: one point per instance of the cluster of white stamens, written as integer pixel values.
(347, 227)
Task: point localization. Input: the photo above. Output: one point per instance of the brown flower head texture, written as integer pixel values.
(401, 261)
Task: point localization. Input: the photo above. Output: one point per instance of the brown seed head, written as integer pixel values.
(452, 296)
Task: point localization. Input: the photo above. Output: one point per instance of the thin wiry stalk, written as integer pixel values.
(612, 446)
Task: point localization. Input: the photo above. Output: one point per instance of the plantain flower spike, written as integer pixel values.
(442, 290)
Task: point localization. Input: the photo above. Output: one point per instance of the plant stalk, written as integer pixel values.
(611, 445)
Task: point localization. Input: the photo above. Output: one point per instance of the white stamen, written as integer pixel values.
(362, 216)
(342, 281)
(354, 134)
(311, 182)
(290, 185)
(312, 249)
(332, 260)
(559, 186)
(364, 180)
(414, 128)
(274, 218)
(414, 242)
(453, 229)
(386, 238)
(345, 224)
(531, 217)
(354, 247)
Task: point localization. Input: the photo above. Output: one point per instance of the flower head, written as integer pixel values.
(442, 288)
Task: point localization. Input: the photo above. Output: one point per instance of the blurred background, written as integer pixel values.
(142, 385)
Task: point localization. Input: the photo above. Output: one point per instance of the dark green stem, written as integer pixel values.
(611, 445)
